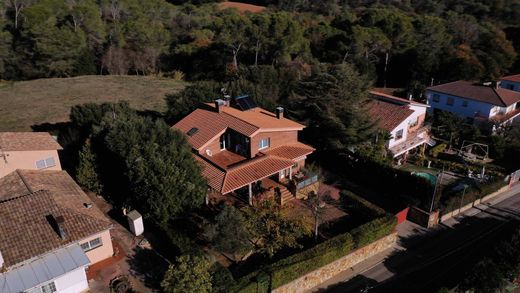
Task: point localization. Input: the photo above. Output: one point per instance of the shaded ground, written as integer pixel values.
(133, 258)
(27, 103)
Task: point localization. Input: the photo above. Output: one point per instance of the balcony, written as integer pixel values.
(505, 117)
(414, 139)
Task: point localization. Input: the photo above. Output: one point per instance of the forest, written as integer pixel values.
(409, 44)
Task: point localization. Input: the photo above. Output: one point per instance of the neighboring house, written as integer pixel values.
(475, 102)
(244, 148)
(511, 82)
(50, 232)
(28, 150)
(403, 119)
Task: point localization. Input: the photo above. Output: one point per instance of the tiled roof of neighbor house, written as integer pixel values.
(28, 141)
(291, 151)
(27, 197)
(387, 114)
(473, 91)
(209, 124)
(225, 181)
(513, 78)
(383, 95)
(27, 231)
(242, 7)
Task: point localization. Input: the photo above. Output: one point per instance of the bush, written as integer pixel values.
(451, 200)
(434, 152)
(293, 267)
(361, 203)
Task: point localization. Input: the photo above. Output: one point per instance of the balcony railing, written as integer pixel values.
(414, 139)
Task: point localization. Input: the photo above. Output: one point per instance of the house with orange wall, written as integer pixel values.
(50, 233)
(28, 150)
(244, 149)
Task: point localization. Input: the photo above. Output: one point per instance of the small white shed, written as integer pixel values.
(135, 221)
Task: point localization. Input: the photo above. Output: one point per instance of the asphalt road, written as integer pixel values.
(429, 261)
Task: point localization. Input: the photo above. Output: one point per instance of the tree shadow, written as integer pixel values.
(148, 266)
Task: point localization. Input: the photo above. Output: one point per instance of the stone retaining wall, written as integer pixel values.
(326, 272)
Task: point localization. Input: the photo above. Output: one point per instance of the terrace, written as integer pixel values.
(414, 139)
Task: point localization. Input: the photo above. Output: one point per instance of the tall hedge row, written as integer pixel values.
(297, 265)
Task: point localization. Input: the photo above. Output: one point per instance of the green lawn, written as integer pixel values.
(27, 103)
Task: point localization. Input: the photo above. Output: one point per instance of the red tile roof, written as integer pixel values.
(513, 78)
(210, 124)
(28, 141)
(225, 181)
(386, 114)
(291, 151)
(27, 198)
(473, 91)
(252, 171)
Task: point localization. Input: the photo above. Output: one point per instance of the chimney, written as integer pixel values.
(279, 112)
(219, 104)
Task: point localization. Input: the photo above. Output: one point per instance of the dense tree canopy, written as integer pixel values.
(394, 43)
(189, 274)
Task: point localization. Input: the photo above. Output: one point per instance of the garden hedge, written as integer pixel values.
(297, 265)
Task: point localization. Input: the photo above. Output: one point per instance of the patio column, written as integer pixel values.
(290, 173)
(250, 194)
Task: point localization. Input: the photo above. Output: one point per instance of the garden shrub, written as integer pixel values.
(436, 150)
(360, 202)
(297, 265)
(451, 200)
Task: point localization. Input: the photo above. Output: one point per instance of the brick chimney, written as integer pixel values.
(279, 112)
(219, 104)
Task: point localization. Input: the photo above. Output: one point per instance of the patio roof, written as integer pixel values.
(291, 151)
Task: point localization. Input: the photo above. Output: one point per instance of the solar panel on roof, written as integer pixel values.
(245, 103)
(192, 131)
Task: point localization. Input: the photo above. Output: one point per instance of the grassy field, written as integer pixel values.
(27, 103)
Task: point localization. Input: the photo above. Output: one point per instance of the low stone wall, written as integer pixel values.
(472, 204)
(326, 272)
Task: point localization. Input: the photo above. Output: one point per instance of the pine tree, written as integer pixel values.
(86, 173)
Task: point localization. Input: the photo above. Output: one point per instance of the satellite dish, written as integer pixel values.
(209, 152)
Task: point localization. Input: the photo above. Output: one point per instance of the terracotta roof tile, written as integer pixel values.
(28, 141)
(213, 174)
(513, 78)
(210, 124)
(253, 171)
(385, 96)
(473, 91)
(27, 197)
(26, 230)
(242, 7)
(291, 151)
(388, 115)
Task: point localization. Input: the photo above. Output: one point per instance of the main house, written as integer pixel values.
(511, 82)
(403, 119)
(245, 150)
(476, 102)
(50, 232)
(28, 150)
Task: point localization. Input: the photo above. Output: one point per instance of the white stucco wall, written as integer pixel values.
(72, 282)
(418, 112)
(472, 108)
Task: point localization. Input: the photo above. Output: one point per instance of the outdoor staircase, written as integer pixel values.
(285, 195)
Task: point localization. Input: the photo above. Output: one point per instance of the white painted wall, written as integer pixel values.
(473, 106)
(72, 282)
(418, 112)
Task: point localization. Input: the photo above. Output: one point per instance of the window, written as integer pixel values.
(450, 101)
(46, 163)
(399, 134)
(464, 103)
(89, 245)
(436, 98)
(263, 143)
(47, 288)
